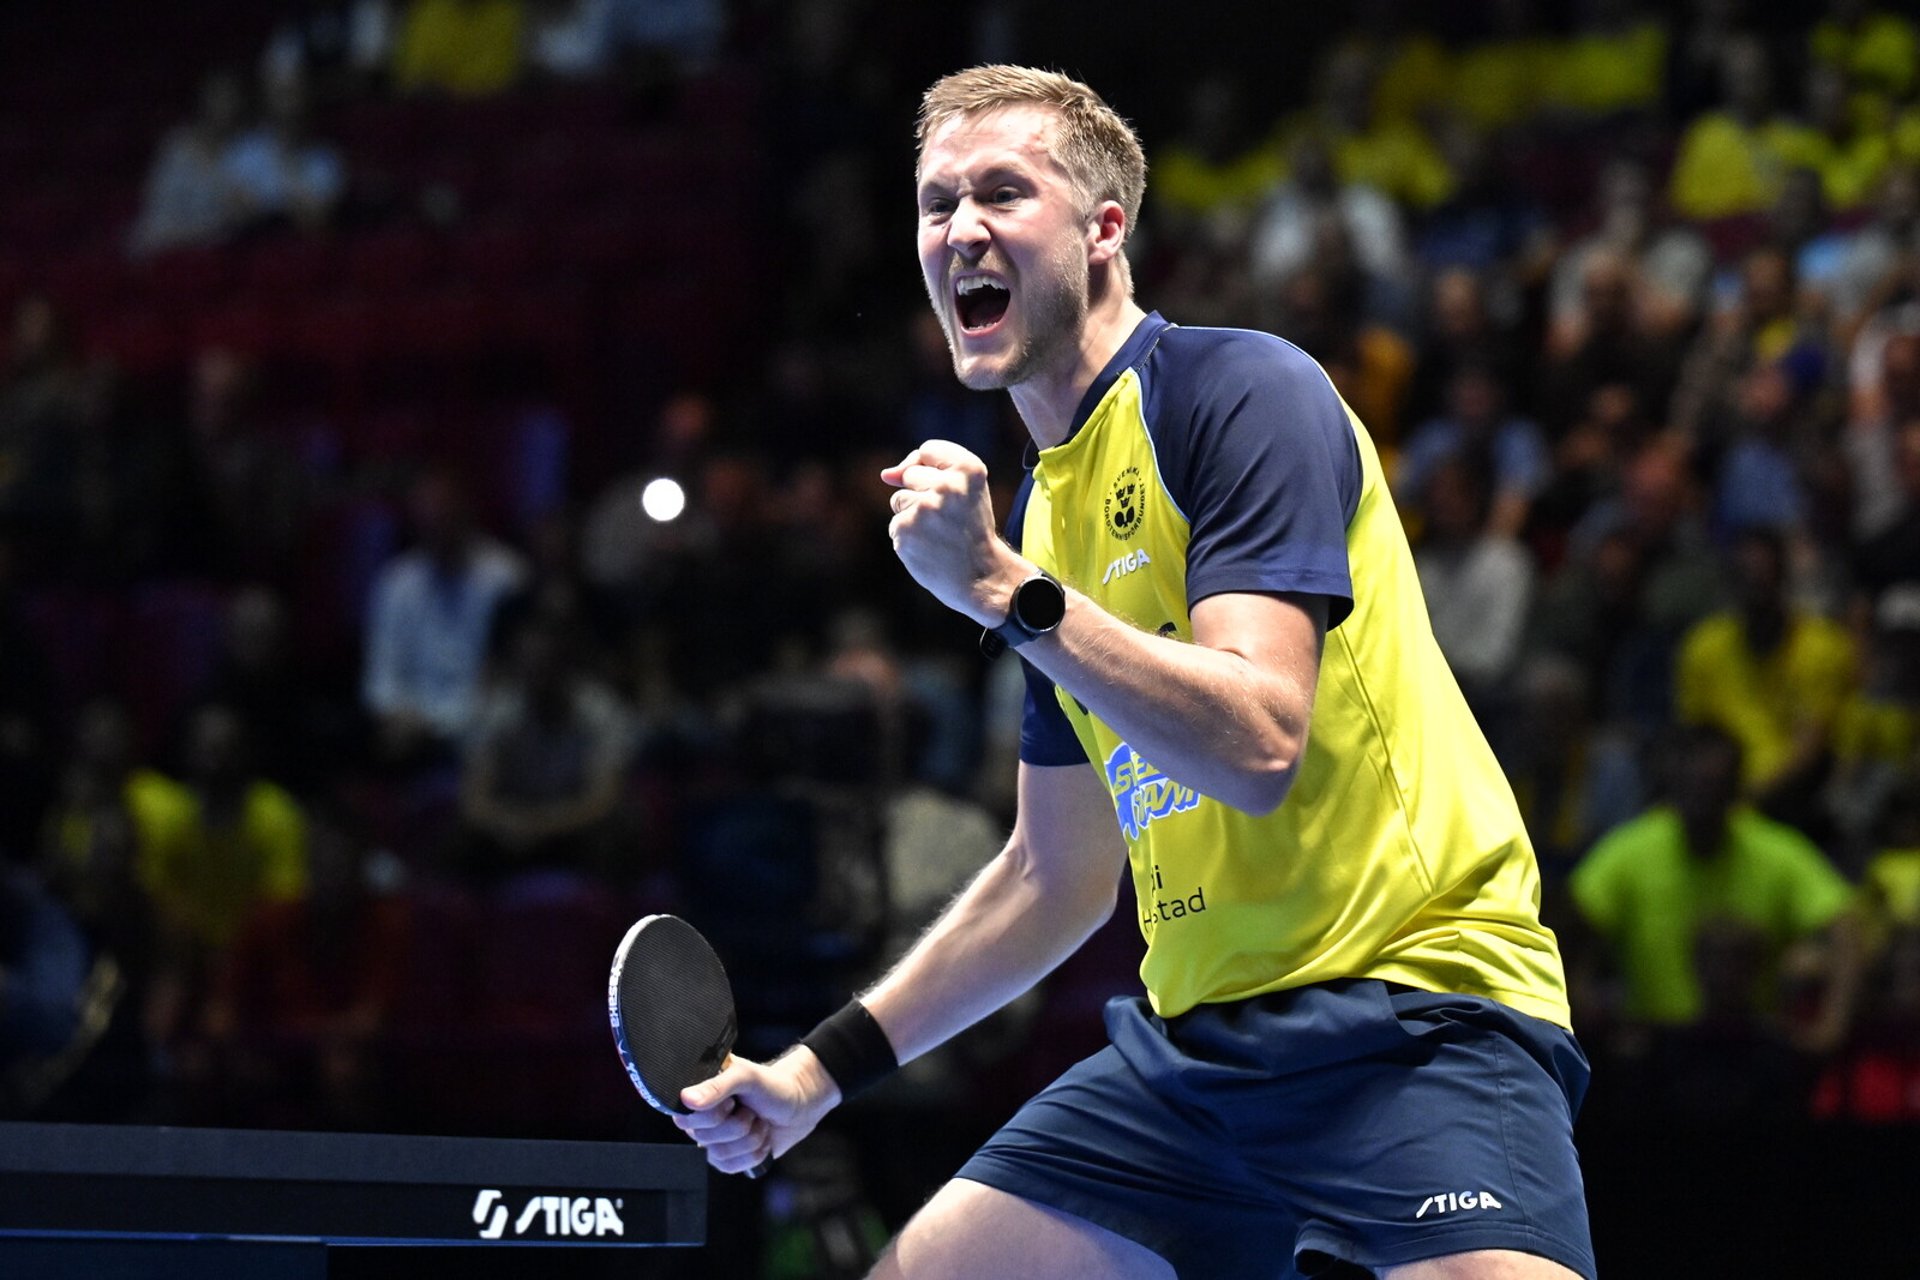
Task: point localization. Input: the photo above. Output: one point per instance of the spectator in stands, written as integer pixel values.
(1603, 344)
(1477, 580)
(231, 841)
(466, 48)
(1478, 426)
(1212, 175)
(1702, 866)
(1671, 262)
(1891, 556)
(303, 999)
(1877, 739)
(304, 724)
(542, 782)
(1730, 159)
(226, 842)
(1759, 482)
(1283, 236)
(1764, 324)
(338, 48)
(108, 816)
(43, 390)
(1332, 311)
(1412, 68)
(190, 197)
(556, 588)
(1848, 154)
(1459, 329)
(1639, 571)
(1770, 675)
(1801, 224)
(1574, 777)
(1877, 47)
(1488, 222)
(281, 175)
(45, 960)
(1876, 248)
(429, 623)
(256, 489)
(1395, 157)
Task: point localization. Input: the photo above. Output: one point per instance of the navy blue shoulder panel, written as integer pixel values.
(1257, 452)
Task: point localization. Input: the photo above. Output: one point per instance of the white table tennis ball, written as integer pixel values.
(663, 499)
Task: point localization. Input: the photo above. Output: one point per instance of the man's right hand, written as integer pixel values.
(753, 1112)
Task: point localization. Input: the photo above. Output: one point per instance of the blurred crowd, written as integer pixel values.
(335, 748)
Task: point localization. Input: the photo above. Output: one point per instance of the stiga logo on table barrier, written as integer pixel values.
(562, 1216)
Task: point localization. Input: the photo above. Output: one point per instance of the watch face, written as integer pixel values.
(1039, 604)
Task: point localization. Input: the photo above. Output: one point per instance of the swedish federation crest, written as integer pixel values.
(1124, 504)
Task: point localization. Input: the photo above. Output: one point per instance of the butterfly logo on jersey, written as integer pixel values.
(1123, 504)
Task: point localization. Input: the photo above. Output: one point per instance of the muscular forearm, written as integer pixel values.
(1011, 927)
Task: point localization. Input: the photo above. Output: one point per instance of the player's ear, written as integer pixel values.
(1106, 232)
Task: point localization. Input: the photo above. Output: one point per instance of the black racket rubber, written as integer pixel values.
(672, 1011)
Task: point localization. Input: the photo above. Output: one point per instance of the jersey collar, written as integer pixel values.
(1131, 352)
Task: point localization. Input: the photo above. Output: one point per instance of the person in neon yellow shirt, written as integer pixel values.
(1730, 160)
(1849, 156)
(226, 842)
(1772, 676)
(1703, 860)
(1395, 156)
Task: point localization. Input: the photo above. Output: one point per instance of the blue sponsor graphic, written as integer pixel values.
(1141, 793)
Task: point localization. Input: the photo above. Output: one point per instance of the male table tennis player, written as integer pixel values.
(1354, 1056)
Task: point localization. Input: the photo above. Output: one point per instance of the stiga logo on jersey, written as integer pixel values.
(1142, 795)
(1123, 504)
(550, 1216)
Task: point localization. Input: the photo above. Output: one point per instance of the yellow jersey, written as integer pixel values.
(1215, 460)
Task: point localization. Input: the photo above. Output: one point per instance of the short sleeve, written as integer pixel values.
(1257, 449)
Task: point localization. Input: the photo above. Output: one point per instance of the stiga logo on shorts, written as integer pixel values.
(1455, 1201)
(1141, 793)
(1123, 505)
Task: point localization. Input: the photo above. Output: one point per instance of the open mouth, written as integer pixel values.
(980, 303)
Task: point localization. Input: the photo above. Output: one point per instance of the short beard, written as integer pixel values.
(1055, 317)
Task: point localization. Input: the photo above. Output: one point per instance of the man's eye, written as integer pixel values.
(1005, 195)
(938, 207)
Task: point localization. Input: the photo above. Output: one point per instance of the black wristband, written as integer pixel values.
(853, 1049)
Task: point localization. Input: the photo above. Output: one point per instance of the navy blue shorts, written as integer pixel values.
(1349, 1122)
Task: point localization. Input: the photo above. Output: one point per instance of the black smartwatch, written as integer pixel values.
(1037, 606)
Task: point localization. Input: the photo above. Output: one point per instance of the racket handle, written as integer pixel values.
(760, 1170)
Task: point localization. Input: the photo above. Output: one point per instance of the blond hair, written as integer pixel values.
(1099, 150)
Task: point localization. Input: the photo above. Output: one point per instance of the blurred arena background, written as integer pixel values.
(360, 681)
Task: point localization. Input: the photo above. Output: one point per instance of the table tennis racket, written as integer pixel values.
(672, 1011)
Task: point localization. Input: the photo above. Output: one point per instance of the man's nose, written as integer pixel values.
(967, 232)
